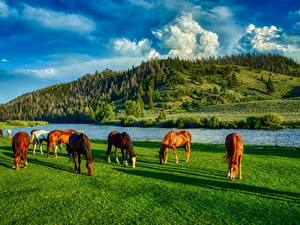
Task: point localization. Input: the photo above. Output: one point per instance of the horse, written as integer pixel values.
(58, 136)
(8, 133)
(80, 144)
(235, 148)
(123, 142)
(20, 145)
(172, 140)
(37, 138)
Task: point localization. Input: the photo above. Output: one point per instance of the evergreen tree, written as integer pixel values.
(151, 94)
(270, 86)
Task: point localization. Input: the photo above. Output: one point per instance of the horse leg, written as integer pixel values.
(166, 154)
(74, 156)
(34, 147)
(41, 149)
(79, 161)
(108, 152)
(175, 154)
(240, 167)
(187, 152)
(117, 159)
(25, 158)
(55, 150)
(123, 156)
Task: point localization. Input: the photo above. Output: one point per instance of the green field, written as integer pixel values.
(49, 192)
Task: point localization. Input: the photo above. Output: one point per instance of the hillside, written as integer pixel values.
(169, 85)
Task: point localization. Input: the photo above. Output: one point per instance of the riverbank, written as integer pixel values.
(194, 193)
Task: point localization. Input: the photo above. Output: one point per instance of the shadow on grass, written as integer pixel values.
(216, 184)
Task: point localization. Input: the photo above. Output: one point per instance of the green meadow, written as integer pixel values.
(49, 191)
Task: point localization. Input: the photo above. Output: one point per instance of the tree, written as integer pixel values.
(150, 94)
(270, 86)
(133, 108)
(105, 112)
(139, 98)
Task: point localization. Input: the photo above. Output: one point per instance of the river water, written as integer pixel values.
(284, 137)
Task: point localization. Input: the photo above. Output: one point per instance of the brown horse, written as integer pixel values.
(123, 142)
(235, 148)
(80, 144)
(20, 145)
(172, 140)
(58, 136)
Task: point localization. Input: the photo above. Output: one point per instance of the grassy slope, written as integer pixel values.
(48, 191)
(4, 125)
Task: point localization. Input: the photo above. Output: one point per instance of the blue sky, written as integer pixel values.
(47, 42)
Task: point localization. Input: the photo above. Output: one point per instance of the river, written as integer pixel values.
(284, 137)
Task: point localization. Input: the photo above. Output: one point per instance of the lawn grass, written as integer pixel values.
(49, 192)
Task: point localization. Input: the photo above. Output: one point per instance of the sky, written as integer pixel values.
(54, 41)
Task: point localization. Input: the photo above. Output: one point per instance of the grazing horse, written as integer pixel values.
(172, 140)
(235, 148)
(37, 138)
(123, 142)
(80, 144)
(58, 136)
(20, 145)
(8, 133)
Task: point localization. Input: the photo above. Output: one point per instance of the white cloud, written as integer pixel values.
(142, 3)
(142, 48)
(4, 11)
(270, 39)
(4, 60)
(58, 20)
(294, 14)
(185, 38)
(42, 73)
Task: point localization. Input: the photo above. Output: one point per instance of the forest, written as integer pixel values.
(160, 87)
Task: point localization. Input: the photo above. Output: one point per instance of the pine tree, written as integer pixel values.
(270, 86)
(150, 94)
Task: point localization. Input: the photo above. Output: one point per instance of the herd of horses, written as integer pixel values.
(78, 144)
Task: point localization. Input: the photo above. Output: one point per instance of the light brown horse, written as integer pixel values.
(80, 144)
(58, 136)
(235, 148)
(20, 145)
(123, 142)
(173, 140)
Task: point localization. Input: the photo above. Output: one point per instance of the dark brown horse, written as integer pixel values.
(20, 145)
(173, 140)
(123, 142)
(80, 144)
(235, 148)
(60, 137)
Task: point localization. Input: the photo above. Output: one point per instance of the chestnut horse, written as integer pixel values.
(20, 145)
(172, 140)
(58, 136)
(235, 148)
(123, 142)
(80, 144)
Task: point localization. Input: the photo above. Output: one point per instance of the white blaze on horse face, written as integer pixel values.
(133, 162)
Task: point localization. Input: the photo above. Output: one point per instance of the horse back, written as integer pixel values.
(235, 146)
(21, 142)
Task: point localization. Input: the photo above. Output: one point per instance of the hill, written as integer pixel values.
(168, 85)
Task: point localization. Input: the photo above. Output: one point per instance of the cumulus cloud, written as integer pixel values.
(270, 40)
(263, 39)
(142, 48)
(3, 9)
(294, 14)
(185, 38)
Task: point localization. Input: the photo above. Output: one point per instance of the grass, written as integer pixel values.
(12, 124)
(49, 192)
